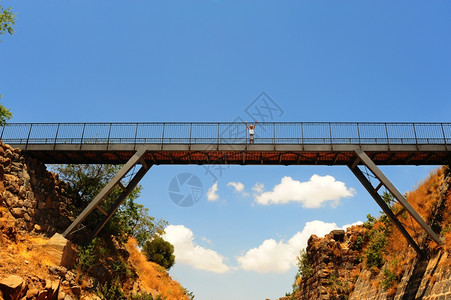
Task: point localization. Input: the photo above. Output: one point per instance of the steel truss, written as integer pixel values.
(366, 161)
(137, 158)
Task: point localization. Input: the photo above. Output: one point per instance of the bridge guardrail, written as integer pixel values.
(333, 133)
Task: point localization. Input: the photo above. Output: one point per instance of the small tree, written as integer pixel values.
(160, 251)
(5, 114)
(304, 268)
(7, 20)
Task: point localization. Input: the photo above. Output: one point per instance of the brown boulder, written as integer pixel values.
(60, 250)
(338, 235)
(32, 293)
(12, 287)
(17, 212)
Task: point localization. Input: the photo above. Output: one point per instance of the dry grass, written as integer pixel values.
(25, 256)
(153, 276)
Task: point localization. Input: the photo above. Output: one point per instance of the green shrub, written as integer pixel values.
(89, 255)
(389, 279)
(160, 251)
(358, 243)
(121, 269)
(110, 291)
(141, 296)
(374, 253)
(370, 222)
(305, 269)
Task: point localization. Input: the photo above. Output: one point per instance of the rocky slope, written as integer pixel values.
(374, 261)
(38, 263)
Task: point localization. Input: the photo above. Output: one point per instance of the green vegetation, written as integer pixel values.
(358, 243)
(189, 294)
(374, 252)
(304, 267)
(304, 271)
(111, 290)
(339, 289)
(5, 114)
(389, 279)
(144, 296)
(370, 222)
(131, 219)
(89, 255)
(7, 21)
(160, 251)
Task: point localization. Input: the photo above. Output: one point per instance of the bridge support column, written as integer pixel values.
(366, 160)
(95, 203)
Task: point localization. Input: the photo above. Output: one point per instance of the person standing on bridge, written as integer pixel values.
(251, 129)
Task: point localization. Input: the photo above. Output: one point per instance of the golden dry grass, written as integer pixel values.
(152, 276)
(24, 256)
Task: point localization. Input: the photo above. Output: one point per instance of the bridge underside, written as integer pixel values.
(261, 154)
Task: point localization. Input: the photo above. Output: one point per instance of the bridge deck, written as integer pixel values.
(228, 143)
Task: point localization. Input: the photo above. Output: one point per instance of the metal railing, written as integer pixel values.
(333, 133)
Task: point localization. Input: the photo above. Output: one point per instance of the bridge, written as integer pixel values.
(276, 143)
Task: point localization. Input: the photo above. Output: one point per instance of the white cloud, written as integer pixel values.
(311, 194)
(187, 252)
(258, 188)
(344, 227)
(212, 193)
(238, 187)
(280, 257)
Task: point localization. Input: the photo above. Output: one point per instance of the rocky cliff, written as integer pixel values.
(38, 263)
(374, 261)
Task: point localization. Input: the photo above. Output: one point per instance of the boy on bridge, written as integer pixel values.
(251, 129)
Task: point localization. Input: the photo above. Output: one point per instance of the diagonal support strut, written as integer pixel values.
(373, 192)
(133, 183)
(109, 187)
(366, 160)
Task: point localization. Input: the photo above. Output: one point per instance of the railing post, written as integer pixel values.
(330, 133)
(444, 137)
(274, 133)
(82, 135)
(386, 132)
(302, 135)
(136, 134)
(162, 136)
(108, 139)
(358, 133)
(3, 129)
(190, 133)
(56, 136)
(415, 133)
(218, 136)
(28, 138)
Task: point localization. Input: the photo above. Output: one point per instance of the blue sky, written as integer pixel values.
(99, 61)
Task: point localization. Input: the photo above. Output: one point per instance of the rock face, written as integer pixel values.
(428, 280)
(60, 250)
(336, 273)
(34, 196)
(35, 205)
(332, 260)
(345, 265)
